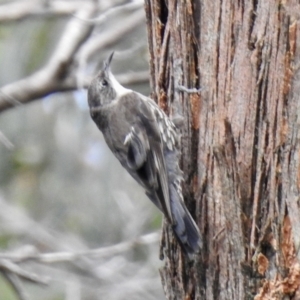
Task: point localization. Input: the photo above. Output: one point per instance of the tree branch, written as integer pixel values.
(56, 76)
(51, 78)
(8, 266)
(65, 256)
(20, 10)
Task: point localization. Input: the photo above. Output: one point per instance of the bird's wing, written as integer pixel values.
(140, 159)
(145, 158)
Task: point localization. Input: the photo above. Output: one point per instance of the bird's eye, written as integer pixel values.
(104, 83)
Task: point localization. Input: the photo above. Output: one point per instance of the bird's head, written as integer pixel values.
(102, 89)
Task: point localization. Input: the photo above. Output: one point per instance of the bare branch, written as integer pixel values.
(55, 76)
(28, 89)
(20, 10)
(112, 35)
(8, 266)
(72, 256)
(51, 78)
(105, 39)
(16, 221)
(135, 4)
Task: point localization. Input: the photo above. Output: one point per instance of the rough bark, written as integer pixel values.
(240, 142)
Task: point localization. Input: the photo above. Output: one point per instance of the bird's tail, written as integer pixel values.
(184, 227)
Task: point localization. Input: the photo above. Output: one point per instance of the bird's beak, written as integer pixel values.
(106, 64)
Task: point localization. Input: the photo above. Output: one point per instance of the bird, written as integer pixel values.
(146, 143)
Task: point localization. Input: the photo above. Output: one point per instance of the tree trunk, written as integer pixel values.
(240, 142)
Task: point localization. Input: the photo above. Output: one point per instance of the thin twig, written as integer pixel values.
(184, 89)
(109, 37)
(20, 10)
(50, 79)
(8, 266)
(136, 4)
(72, 256)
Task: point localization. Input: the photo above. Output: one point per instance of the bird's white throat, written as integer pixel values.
(120, 90)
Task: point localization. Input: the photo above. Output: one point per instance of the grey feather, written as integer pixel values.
(145, 142)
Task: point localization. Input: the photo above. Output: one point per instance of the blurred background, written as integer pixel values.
(61, 190)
